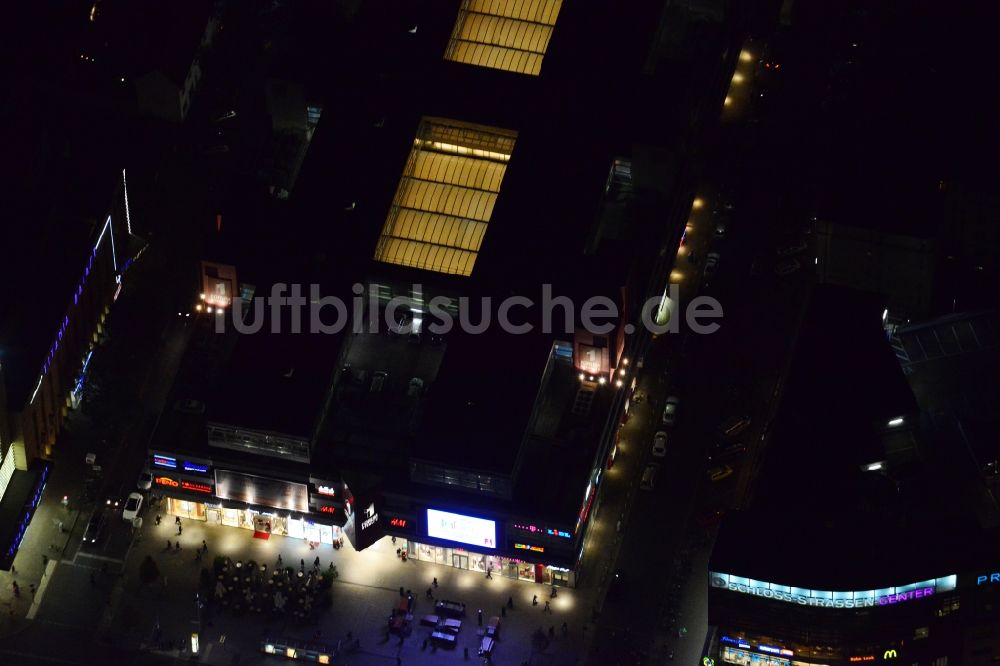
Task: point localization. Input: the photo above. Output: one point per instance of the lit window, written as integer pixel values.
(446, 196)
(512, 35)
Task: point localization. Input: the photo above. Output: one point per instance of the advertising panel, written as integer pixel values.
(261, 491)
(463, 529)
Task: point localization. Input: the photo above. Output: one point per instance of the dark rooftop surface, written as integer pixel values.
(844, 386)
(67, 171)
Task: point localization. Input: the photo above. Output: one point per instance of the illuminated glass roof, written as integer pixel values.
(512, 35)
(446, 196)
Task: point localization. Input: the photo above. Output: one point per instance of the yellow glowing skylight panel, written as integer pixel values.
(446, 196)
(512, 35)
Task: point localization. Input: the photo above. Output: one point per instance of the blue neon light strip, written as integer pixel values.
(164, 461)
(192, 467)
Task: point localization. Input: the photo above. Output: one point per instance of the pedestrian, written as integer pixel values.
(552, 632)
(204, 546)
(435, 581)
(177, 547)
(302, 564)
(503, 611)
(546, 609)
(393, 541)
(401, 592)
(179, 530)
(316, 562)
(169, 545)
(565, 629)
(510, 603)
(424, 646)
(480, 614)
(31, 588)
(45, 561)
(534, 600)
(489, 572)
(17, 590)
(13, 570)
(157, 519)
(279, 561)
(409, 603)
(430, 595)
(177, 520)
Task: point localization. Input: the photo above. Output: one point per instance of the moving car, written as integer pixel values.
(787, 267)
(94, 527)
(719, 473)
(711, 264)
(145, 481)
(660, 444)
(670, 410)
(649, 476)
(791, 248)
(132, 506)
(734, 426)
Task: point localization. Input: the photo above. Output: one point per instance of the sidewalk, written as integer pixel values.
(44, 543)
(363, 596)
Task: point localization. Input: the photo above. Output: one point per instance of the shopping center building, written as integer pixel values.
(863, 542)
(487, 171)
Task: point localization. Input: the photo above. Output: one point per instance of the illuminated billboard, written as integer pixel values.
(834, 599)
(261, 491)
(463, 529)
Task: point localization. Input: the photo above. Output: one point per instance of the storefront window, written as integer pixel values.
(477, 562)
(426, 552)
(186, 509)
(296, 529)
(526, 571)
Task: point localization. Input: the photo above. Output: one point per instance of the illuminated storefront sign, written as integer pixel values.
(738, 642)
(988, 579)
(370, 517)
(165, 461)
(833, 599)
(196, 487)
(525, 546)
(195, 467)
(548, 531)
(326, 490)
(398, 522)
(327, 509)
(889, 654)
(867, 657)
(463, 529)
(166, 481)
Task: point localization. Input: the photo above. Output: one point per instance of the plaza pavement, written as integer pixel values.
(363, 596)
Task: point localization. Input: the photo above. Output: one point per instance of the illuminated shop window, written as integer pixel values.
(446, 196)
(512, 35)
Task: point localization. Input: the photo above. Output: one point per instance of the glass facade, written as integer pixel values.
(512, 35)
(290, 525)
(467, 560)
(834, 599)
(446, 196)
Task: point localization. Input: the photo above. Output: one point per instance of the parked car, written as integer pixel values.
(719, 473)
(660, 444)
(95, 527)
(734, 426)
(649, 476)
(725, 450)
(145, 481)
(787, 267)
(791, 248)
(670, 410)
(711, 264)
(132, 506)
(720, 230)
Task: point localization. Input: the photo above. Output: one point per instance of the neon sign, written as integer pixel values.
(196, 487)
(867, 657)
(905, 596)
(166, 481)
(534, 529)
(738, 642)
(524, 546)
(991, 578)
(398, 522)
(326, 490)
(327, 509)
(165, 461)
(194, 467)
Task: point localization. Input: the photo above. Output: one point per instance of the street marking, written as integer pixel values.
(101, 557)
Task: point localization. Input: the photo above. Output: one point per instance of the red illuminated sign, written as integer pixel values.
(398, 522)
(525, 546)
(327, 509)
(166, 481)
(196, 487)
(867, 657)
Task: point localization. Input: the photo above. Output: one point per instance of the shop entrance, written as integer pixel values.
(460, 561)
(185, 509)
